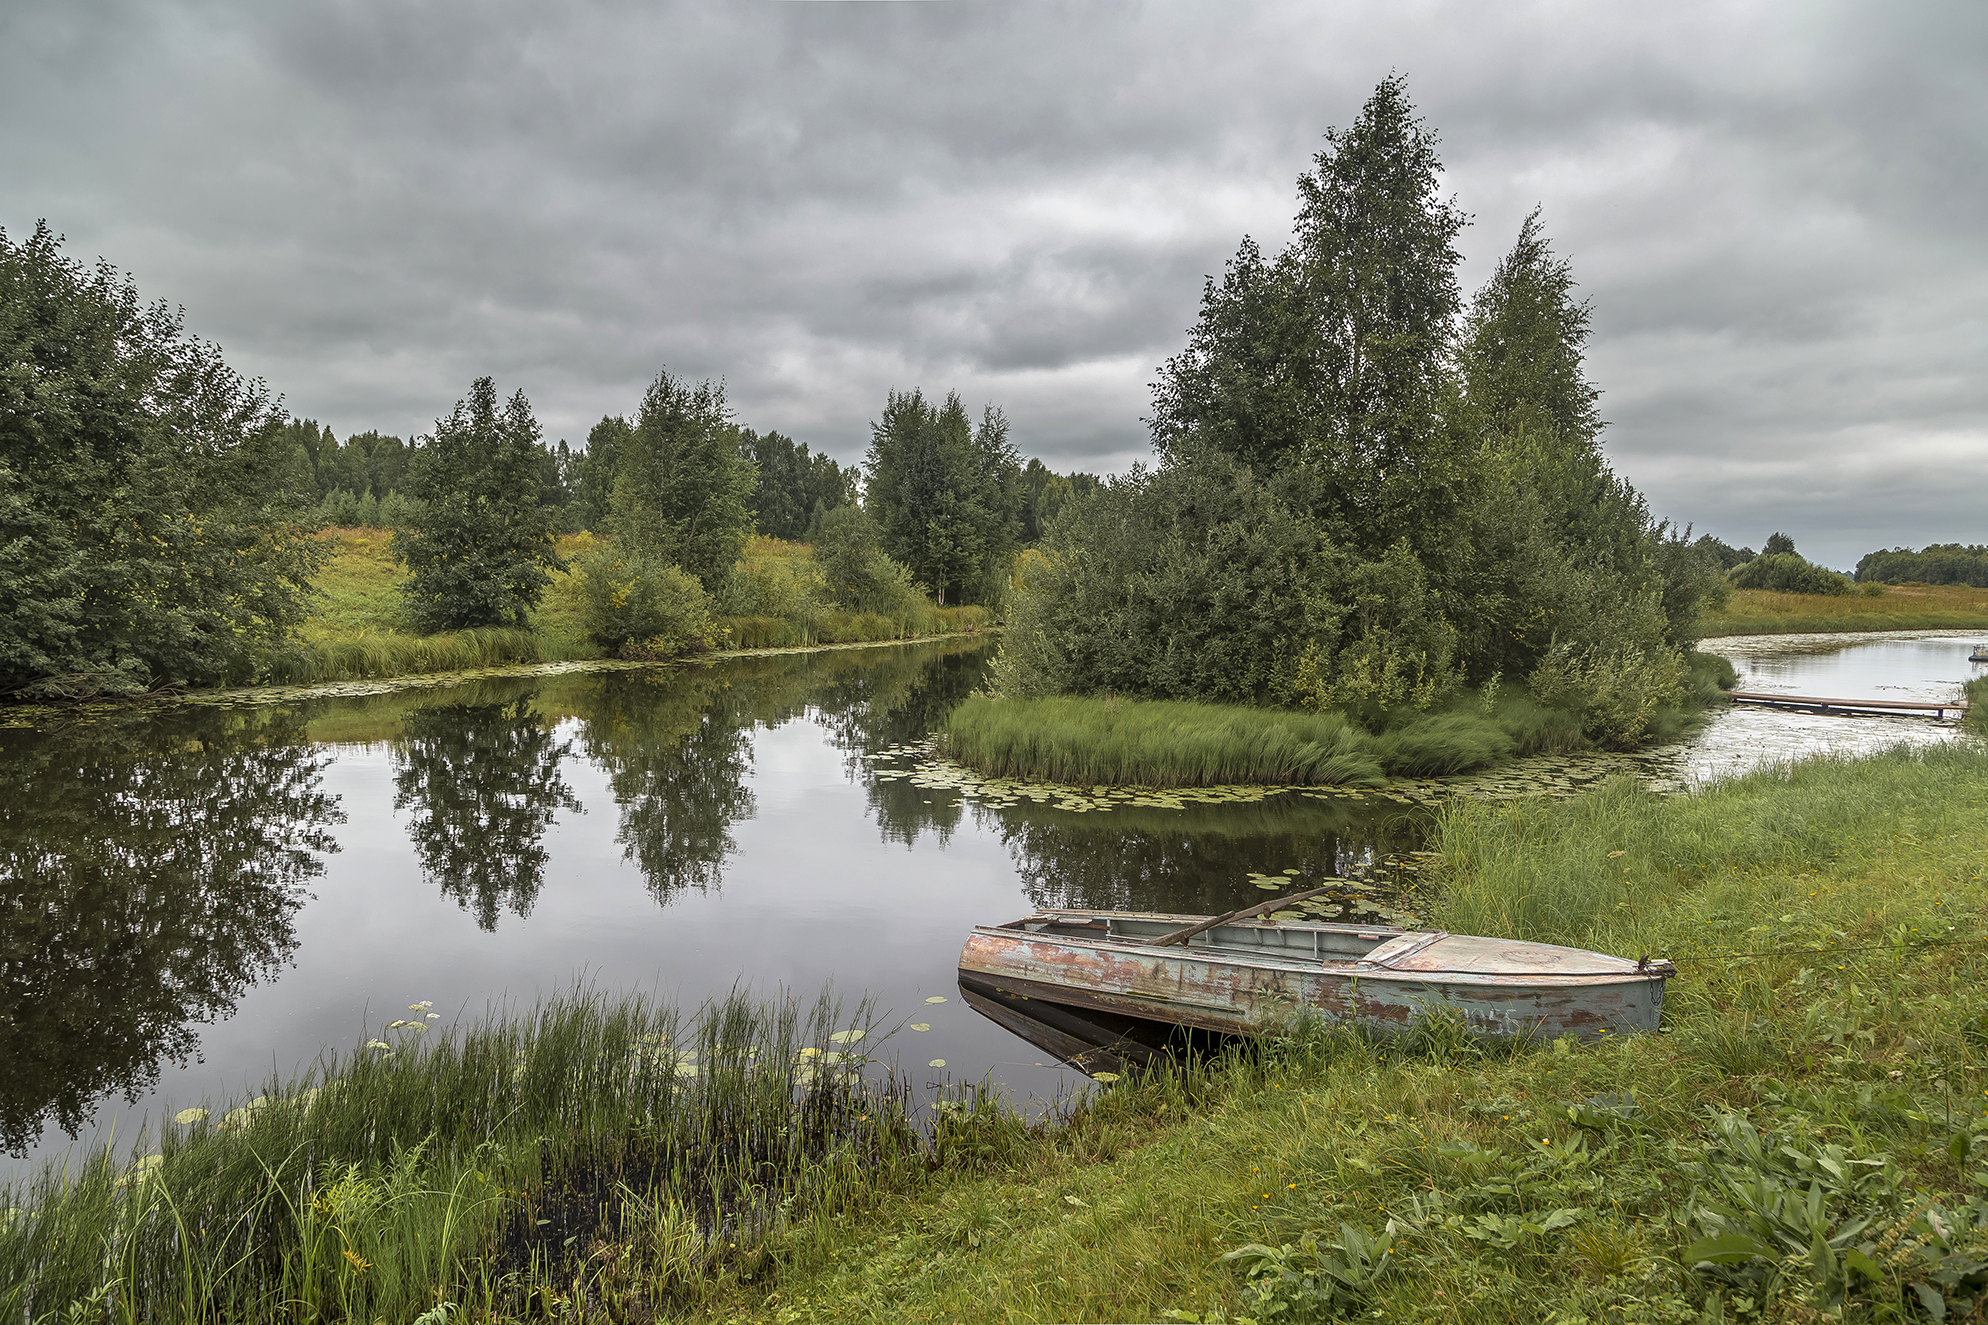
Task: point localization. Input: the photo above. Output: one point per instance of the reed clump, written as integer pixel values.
(1169, 743)
(488, 1168)
(362, 656)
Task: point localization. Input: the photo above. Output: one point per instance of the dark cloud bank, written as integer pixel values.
(1776, 209)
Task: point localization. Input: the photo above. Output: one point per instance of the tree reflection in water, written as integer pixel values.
(677, 743)
(677, 748)
(484, 783)
(152, 868)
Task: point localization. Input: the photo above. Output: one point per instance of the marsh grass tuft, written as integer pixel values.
(490, 1166)
(1169, 743)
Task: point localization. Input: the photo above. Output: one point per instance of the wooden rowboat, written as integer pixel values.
(1248, 976)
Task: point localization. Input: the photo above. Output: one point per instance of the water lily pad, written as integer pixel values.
(936, 998)
(1272, 887)
(185, 1116)
(1287, 915)
(921, 1025)
(845, 1037)
(936, 1062)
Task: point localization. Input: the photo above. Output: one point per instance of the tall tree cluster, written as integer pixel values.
(793, 488)
(946, 494)
(147, 530)
(1368, 490)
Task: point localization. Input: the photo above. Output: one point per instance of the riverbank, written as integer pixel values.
(1804, 1138)
(360, 631)
(1898, 607)
(1083, 739)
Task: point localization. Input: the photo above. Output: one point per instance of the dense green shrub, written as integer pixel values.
(641, 607)
(856, 574)
(1616, 694)
(1788, 572)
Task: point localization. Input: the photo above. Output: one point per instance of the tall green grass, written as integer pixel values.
(1170, 743)
(1606, 869)
(837, 626)
(367, 655)
(489, 1167)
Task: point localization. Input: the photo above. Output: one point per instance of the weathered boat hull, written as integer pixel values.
(1249, 978)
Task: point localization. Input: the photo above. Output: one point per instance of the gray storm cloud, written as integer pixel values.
(1775, 208)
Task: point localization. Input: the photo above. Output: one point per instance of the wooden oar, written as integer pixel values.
(1183, 935)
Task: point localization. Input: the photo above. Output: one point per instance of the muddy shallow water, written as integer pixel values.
(203, 896)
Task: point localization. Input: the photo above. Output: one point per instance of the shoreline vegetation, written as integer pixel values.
(1164, 743)
(1803, 1140)
(361, 631)
(1875, 607)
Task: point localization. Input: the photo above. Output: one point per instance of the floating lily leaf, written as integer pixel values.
(936, 998)
(1287, 915)
(845, 1037)
(1272, 887)
(686, 1069)
(921, 1025)
(185, 1116)
(936, 1062)
(810, 1052)
(1294, 871)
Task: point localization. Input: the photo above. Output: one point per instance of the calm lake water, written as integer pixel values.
(202, 897)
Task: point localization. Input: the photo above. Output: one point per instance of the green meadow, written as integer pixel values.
(1893, 607)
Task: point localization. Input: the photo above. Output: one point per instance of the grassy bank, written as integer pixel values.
(1899, 607)
(1804, 1142)
(1093, 739)
(360, 629)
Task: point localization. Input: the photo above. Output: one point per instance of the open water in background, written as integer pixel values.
(201, 897)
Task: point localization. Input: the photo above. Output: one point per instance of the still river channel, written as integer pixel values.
(201, 897)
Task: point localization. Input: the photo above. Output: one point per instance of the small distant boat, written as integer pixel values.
(1130, 977)
(1980, 653)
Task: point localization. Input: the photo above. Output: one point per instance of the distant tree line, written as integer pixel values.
(1938, 563)
(1367, 490)
(158, 512)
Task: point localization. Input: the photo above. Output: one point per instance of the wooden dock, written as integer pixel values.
(1813, 704)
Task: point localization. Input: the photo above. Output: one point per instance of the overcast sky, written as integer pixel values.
(1779, 210)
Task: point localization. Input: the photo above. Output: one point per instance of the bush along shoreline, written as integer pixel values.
(1166, 743)
(1803, 1140)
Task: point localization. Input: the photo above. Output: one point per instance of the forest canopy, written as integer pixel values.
(1368, 491)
